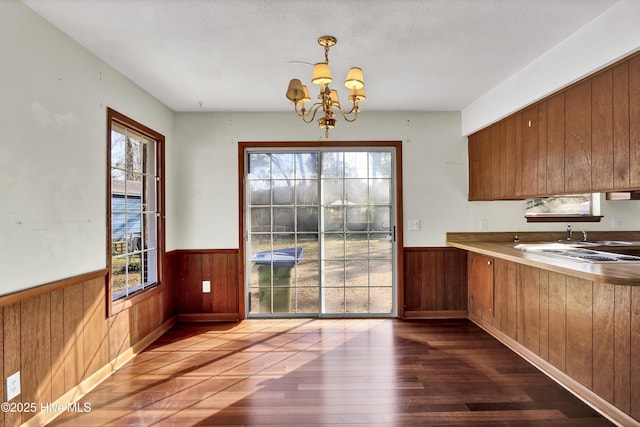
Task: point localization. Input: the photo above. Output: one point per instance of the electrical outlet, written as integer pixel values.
(13, 386)
(617, 223)
(206, 286)
(414, 225)
(484, 224)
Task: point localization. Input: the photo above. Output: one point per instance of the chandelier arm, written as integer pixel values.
(354, 111)
(312, 112)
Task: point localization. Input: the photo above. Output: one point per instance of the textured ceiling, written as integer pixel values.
(224, 55)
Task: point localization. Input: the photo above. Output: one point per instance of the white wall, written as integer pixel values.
(509, 216)
(53, 99)
(434, 175)
(434, 168)
(608, 38)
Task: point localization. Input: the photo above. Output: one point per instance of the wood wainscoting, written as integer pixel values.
(189, 268)
(59, 338)
(435, 282)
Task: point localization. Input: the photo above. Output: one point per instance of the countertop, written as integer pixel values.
(501, 245)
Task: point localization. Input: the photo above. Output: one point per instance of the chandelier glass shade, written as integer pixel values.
(328, 101)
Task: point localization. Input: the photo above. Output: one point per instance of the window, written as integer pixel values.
(135, 232)
(575, 207)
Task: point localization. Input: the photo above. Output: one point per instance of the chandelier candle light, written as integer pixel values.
(298, 94)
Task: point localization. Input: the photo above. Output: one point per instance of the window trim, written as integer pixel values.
(114, 307)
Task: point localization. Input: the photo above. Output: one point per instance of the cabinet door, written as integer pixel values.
(510, 157)
(542, 149)
(555, 144)
(602, 131)
(634, 121)
(577, 149)
(530, 125)
(621, 126)
(481, 285)
(480, 165)
(495, 162)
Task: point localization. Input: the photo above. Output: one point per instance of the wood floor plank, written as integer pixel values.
(329, 372)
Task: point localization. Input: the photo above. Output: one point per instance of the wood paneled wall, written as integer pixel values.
(590, 331)
(435, 282)
(58, 337)
(219, 266)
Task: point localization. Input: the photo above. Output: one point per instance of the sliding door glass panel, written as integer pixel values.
(320, 233)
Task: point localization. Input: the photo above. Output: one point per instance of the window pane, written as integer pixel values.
(380, 165)
(307, 219)
(259, 166)
(117, 150)
(307, 192)
(356, 165)
(282, 166)
(259, 192)
(260, 220)
(357, 191)
(332, 165)
(306, 165)
(283, 192)
(332, 192)
(333, 219)
(578, 204)
(133, 153)
(283, 220)
(380, 191)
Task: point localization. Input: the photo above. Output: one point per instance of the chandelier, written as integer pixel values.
(328, 100)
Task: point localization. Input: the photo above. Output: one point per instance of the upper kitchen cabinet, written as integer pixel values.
(555, 144)
(585, 138)
(602, 146)
(634, 122)
(530, 125)
(620, 83)
(480, 165)
(577, 138)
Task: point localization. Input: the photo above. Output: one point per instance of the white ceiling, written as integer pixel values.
(238, 55)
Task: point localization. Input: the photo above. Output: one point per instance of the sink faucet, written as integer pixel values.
(569, 232)
(584, 236)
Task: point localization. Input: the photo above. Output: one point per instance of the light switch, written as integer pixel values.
(206, 286)
(414, 225)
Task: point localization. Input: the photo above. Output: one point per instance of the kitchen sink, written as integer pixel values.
(577, 253)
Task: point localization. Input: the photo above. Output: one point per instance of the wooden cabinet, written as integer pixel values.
(530, 124)
(555, 144)
(634, 122)
(480, 165)
(481, 285)
(435, 282)
(620, 89)
(602, 147)
(583, 329)
(585, 138)
(577, 138)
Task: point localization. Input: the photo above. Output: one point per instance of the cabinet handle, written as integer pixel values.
(488, 262)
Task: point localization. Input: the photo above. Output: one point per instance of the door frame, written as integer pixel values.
(310, 145)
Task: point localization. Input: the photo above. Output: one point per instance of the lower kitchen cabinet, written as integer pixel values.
(589, 331)
(481, 285)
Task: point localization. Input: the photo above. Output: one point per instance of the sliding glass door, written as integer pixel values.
(319, 232)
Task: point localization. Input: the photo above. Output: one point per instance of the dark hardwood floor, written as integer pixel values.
(303, 372)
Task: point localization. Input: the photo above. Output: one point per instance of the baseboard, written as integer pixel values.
(81, 390)
(436, 314)
(208, 317)
(604, 407)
